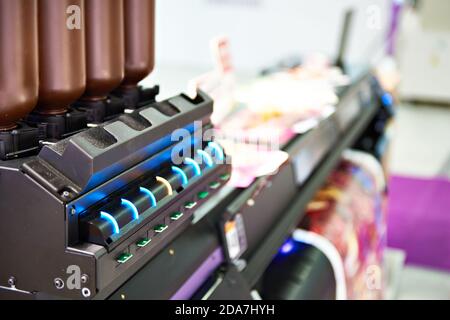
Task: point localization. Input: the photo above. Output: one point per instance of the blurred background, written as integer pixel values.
(407, 43)
(264, 31)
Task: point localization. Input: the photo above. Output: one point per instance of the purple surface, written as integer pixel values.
(391, 36)
(199, 276)
(419, 220)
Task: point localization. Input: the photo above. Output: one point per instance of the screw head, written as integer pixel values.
(86, 292)
(12, 281)
(73, 211)
(84, 278)
(59, 283)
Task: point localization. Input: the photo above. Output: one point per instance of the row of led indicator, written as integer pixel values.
(143, 242)
(130, 205)
(184, 181)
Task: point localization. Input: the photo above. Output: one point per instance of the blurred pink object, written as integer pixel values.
(250, 162)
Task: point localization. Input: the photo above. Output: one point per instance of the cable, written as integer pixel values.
(330, 251)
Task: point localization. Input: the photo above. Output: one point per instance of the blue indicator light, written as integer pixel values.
(287, 247)
(106, 216)
(149, 194)
(206, 157)
(194, 164)
(387, 99)
(217, 150)
(132, 207)
(184, 178)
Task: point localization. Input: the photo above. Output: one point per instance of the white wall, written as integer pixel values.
(423, 53)
(263, 31)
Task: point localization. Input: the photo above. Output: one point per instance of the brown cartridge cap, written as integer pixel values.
(62, 68)
(18, 60)
(104, 47)
(139, 40)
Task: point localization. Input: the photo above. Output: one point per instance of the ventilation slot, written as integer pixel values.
(166, 108)
(135, 121)
(197, 100)
(98, 137)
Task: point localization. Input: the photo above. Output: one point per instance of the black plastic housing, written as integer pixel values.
(58, 126)
(21, 141)
(49, 202)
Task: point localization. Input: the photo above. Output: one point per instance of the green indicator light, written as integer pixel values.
(225, 176)
(124, 257)
(202, 194)
(176, 215)
(160, 228)
(214, 185)
(143, 242)
(190, 204)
